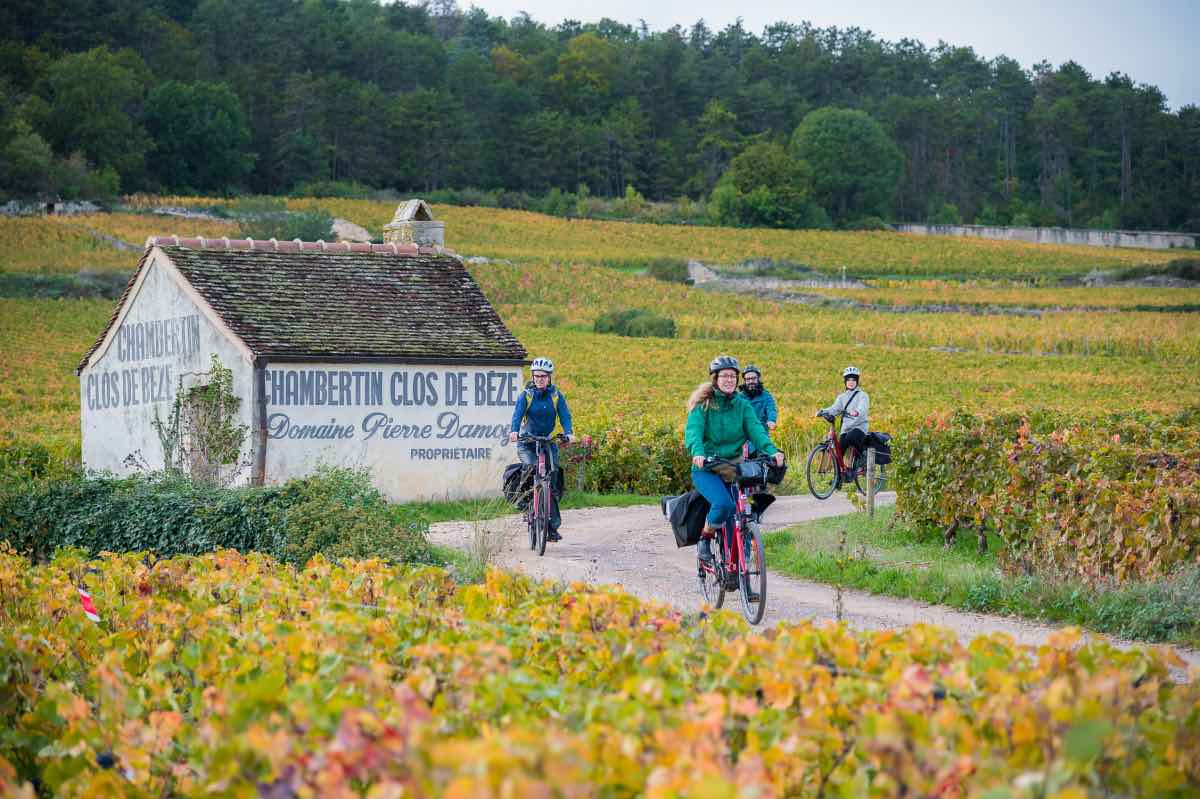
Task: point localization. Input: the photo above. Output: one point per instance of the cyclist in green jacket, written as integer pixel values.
(719, 423)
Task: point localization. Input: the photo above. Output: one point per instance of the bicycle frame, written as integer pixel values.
(734, 540)
(833, 438)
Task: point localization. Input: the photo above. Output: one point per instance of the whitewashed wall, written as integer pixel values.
(163, 336)
(424, 431)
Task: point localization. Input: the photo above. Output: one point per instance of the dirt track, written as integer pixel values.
(634, 548)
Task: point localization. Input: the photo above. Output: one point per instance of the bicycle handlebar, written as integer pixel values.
(713, 460)
(526, 438)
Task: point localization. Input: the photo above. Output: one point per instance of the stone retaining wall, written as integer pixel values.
(1149, 240)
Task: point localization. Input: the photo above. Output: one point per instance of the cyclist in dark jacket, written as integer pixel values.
(760, 399)
(540, 408)
(719, 422)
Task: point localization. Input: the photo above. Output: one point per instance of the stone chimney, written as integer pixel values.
(414, 224)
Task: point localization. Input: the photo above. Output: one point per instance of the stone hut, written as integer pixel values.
(414, 224)
(386, 356)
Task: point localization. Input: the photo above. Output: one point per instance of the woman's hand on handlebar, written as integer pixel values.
(512, 437)
(698, 461)
(779, 459)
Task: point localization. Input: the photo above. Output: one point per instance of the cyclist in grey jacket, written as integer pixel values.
(854, 405)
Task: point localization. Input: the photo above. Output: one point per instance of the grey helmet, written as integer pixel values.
(723, 362)
(752, 368)
(542, 365)
(851, 371)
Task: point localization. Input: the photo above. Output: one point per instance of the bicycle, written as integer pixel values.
(739, 564)
(824, 467)
(539, 511)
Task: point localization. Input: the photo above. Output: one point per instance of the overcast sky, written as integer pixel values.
(1154, 41)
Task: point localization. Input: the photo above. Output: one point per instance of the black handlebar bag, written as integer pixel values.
(686, 513)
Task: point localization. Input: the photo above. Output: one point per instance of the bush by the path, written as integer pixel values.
(1109, 498)
(335, 512)
(636, 323)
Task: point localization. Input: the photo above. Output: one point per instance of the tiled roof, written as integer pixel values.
(300, 299)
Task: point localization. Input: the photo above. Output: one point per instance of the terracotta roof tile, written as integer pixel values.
(324, 299)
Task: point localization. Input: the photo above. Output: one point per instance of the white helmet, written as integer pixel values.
(542, 365)
(850, 371)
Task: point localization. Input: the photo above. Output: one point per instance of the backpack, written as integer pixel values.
(557, 398)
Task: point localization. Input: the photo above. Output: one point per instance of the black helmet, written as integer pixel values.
(751, 368)
(722, 362)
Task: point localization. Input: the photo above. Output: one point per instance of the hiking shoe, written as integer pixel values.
(705, 552)
(553, 536)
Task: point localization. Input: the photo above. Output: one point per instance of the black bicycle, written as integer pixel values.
(539, 512)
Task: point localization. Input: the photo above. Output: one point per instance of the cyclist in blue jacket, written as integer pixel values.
(539, 408)
(761, 400)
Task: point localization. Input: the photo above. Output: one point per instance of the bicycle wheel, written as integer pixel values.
(543, 518)
(753, 575)
(531, 518)
(860, 476)
(711, 586)
(822, 472)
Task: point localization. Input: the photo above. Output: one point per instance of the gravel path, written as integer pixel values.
(634, 549)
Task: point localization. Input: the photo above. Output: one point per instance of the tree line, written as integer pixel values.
(796, 126)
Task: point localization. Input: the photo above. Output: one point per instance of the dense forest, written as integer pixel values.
(796, 126)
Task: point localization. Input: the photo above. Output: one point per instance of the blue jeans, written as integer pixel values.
(527, 453)
(714, 489)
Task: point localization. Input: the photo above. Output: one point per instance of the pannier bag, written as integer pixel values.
(686, 514)
(518, 483)
(883, 449)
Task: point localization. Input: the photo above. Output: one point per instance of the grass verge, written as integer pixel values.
(901, 562)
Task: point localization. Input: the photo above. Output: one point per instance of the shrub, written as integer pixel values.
(22, 460)
(639, 458)
(1114, 498)
(635, 323)
(867, 223)
(349, 189)
(946, 214)
(336, 512)
(269, 218)
(668, 270)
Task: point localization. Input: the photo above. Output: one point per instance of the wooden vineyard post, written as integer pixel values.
(871, 482)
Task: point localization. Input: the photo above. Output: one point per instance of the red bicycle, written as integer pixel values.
(824, 468)
(539, 511)
(739, 564)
